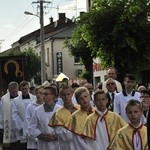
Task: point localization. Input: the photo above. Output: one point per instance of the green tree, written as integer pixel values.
(118, 32)
(32, 62)
(78, 47)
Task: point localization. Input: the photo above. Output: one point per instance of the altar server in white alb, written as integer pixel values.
(38, 127)
(78, 118)
(122, 98)
(101, 125)
(31, 143)
(19, 109)
(61, 118)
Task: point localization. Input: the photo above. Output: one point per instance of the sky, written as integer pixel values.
(14, 23)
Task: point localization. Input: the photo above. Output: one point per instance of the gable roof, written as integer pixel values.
(54, 29)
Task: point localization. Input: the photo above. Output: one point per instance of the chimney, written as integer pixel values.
(62, 16)
(51, 20)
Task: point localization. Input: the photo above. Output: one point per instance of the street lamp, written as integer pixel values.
(29, 13)
(43, 68)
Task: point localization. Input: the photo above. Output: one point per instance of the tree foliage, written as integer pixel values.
(78, 48)
(118, 32)
(32, 62)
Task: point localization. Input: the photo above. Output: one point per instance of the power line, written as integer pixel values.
(20, 23)
(20, 20)
(17, 30)
(15, 25)
(19, 27)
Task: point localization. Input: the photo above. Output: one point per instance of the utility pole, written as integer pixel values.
(43, 67)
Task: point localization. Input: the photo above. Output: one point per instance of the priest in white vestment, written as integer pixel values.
(10, 136)
(18, 112)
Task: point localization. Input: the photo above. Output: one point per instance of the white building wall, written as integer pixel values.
(69, 67)
(48, 57)
(30, 44)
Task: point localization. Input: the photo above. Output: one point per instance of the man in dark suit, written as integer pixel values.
(111, 87)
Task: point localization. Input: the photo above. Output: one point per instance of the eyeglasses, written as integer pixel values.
(144, 96)
(110, 83)
(45, 94)
(39, 93)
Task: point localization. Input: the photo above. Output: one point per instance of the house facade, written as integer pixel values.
(57, 57)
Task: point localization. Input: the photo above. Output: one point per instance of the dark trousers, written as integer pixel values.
(16, 146)
(1, 136)
(12, 146)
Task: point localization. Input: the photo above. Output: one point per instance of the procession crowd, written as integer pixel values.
(113, 116)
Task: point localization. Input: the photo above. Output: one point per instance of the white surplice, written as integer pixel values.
(31, 143)
(39, 125)
(79, 143)
(65, 138)
(18, 114)
(102, 137)
(121, 101)
(102, 141)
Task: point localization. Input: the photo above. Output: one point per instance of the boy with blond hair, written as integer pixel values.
(61, 118)
(78, 118)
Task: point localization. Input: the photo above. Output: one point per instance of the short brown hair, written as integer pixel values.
(51, 89)
(133, 102)
(146, 91)
(38, 87)
(98, 91)
(129, 76)
(23, 83)
(64, 88)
